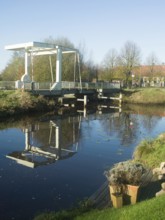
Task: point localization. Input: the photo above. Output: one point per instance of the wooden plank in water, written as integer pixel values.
(101, 198)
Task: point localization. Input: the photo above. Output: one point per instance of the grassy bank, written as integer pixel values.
(149, 209)
(17, 102)
(154, 96)
(149, 152)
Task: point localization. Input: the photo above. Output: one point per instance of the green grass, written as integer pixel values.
(151, 152)
(144, 96)
(150, 209)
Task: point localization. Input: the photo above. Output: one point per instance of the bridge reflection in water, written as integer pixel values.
(59, 141)
(34, 156)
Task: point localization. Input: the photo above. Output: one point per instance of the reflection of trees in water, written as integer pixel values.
(154, 110)
(149, 122)
(111, 123)
(69, 132)
(128, 128)
(128, 125)
(149, 115)
(125, 125)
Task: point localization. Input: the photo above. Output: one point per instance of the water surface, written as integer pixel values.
(52, 163)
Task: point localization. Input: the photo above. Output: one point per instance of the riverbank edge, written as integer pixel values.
(16, 102)
(144, 96)
(148, 209)
(84, 211)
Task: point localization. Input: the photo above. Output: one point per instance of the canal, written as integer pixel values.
(52, 162)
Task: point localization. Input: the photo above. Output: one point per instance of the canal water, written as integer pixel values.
(52, 162)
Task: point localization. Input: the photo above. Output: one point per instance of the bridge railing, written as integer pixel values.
(7, 85)
(64, 85)
(37, 86)
(71, 85)
(89, 85)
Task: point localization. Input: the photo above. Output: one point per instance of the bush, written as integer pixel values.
(16, 102)
(127, 172)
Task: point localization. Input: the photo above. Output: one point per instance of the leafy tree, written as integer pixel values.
(41, 67)
(88, 71)
(15, 68)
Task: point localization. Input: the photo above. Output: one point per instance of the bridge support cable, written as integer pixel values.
(32, 66)
(75, 62)
(78, 59)
(51, 69)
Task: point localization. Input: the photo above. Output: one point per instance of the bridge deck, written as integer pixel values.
(61, 88)
(70, 87)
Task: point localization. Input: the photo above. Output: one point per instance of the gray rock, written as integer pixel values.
(163, 186)
(163, 170)
(161, 192)
(162, 165)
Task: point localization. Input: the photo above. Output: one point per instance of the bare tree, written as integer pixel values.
(109, 64)
(110, 59)
(129, 58)
(151, 61)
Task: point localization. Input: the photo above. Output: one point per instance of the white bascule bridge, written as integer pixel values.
(101, 90)
(32, 49)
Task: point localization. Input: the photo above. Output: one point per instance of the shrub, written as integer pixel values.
(127, 172)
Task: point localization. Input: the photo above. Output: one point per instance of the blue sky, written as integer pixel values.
(98, 25)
